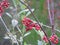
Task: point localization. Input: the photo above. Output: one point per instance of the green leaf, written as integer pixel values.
(26, 34)
(41, 33)
(40, 42)
(22, 6)
(24, 11)
(16, 2)
(25, 43)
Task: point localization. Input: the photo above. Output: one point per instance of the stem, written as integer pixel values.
(49, 12)
(13, 38)
(52, 8)
(51, 16)
(4, 24)
(18, 29)
(50, 27)
(21, 34)
(35, 19)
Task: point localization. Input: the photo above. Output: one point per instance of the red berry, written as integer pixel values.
(5, 3)
(54, 39)
(0, 14)
(55, 36)
(1, 9)
(28, 28)
(26, 21)
(29, 20)
(45, 39)
(32, 24)
(37, 27)
(56, 42)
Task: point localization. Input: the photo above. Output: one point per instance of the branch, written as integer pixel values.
(35, 19)
(52, 16)
(50, 27)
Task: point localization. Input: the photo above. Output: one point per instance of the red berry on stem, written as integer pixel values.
(1, 9)
(28, 28)
(55, 36)
(0, 14)
(5, 3)
(32, 24)
(54, 39)
(26, 21)
(56, 42)
(37, 27)
(45, 39)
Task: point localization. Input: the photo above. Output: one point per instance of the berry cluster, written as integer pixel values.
(45, 39)
(4, 4)
(30, 24)
(54, 39)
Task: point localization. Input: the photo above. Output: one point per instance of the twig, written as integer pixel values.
(52, 16)
(50, 27)
(4, 24)
(49, 12)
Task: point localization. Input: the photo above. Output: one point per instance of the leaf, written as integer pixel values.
(41, 33)
(40, 42)
(27, 34)
(23, 11)
(26, 10)
(23, 28)
(25, 43)
(15, 2)
(29, 12)
(22, 6)
(8, 14)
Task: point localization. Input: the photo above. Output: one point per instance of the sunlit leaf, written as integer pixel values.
(15, 2)
(8, 14)
(28, 33)
(40, 42)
